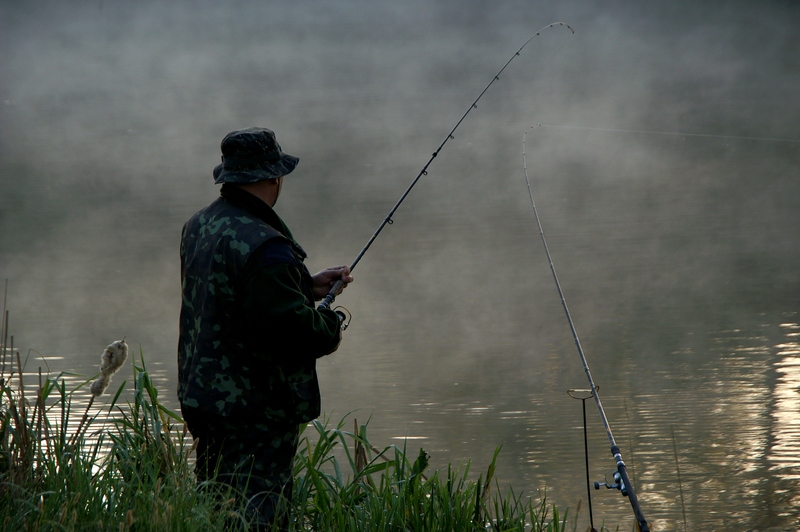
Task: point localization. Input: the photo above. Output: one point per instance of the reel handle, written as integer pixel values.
(619, 484)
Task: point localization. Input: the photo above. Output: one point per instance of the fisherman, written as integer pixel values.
(249, 331)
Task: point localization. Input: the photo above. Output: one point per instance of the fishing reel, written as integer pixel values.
(618, 484)
(344, 317)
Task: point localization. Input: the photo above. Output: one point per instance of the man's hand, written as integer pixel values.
(324, 280)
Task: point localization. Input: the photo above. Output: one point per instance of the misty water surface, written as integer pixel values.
(665, 171)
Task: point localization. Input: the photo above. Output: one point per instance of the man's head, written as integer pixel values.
(252, 155)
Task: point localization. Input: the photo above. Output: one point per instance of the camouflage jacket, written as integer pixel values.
(249, 332)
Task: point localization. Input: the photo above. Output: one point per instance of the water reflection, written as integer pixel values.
(729, 438)
(784, 449)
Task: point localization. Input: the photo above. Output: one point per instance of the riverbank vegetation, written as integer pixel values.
(128, 467)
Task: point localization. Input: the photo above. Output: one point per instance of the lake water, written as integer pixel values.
(665, 172)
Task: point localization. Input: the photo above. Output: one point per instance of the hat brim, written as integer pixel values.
(260, 172)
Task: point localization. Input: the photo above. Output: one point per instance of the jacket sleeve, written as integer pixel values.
(281, 315)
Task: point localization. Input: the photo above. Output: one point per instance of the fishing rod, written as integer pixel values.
(337, 287)
(621, 480)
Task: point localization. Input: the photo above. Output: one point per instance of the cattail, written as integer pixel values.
(100, 384)
(110, 361)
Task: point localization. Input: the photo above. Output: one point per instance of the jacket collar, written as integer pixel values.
(255, 206)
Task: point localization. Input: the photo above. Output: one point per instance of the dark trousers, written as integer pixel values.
(254, 457)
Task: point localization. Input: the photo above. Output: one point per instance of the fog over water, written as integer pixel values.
(665, 171)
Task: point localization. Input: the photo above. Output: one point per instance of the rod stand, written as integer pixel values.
(583, 395)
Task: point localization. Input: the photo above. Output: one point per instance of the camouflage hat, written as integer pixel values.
(251, 155)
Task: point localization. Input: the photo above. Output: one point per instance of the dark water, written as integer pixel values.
(665, 173)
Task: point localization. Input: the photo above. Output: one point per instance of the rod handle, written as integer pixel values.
(622, 471)
(335, 290)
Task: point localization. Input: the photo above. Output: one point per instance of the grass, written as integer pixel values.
(387, 490)
(128, 467)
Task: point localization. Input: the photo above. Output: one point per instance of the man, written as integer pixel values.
(249, 330)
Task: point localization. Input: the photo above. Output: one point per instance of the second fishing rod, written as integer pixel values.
(337, 287)
(621, 480)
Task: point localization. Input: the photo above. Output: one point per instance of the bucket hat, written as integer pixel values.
(251, 155)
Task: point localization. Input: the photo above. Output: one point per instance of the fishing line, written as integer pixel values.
(336, 289)
(622, 482)
(670, 133)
